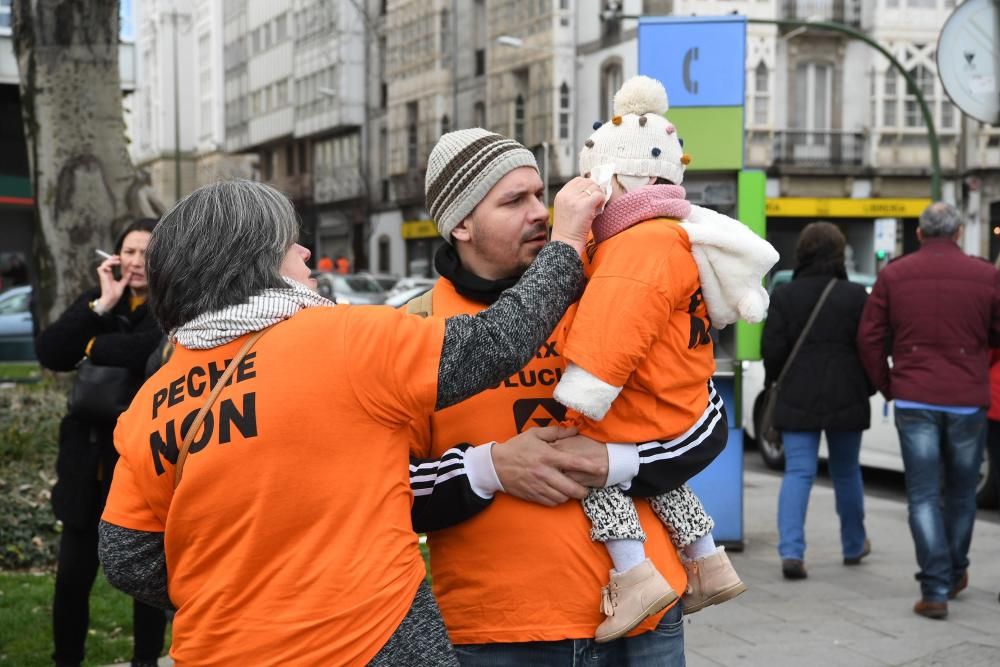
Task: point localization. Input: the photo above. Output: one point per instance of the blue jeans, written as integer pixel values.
(801, 454)
(933, 442)
(663, 646)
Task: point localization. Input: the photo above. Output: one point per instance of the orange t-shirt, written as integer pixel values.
(642, 324)
(289, 540)
(518, 571)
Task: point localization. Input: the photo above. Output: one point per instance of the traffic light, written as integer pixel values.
(880, 255)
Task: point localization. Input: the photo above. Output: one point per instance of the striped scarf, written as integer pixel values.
(271, 306)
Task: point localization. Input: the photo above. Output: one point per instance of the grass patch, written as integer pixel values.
(20, 371)
(26, 622)
(29, 433)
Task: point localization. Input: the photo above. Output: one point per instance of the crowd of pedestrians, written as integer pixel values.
(935, 314)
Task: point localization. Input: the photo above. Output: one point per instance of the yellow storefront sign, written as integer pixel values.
(419, 229)
(810, 207)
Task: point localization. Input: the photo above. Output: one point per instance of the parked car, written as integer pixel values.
(408, 283)
(397, 299)
(879, 444)
(385, 280)
(359, 289)
(16, 333)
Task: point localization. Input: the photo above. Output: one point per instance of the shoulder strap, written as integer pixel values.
(182, 453)
(805, 331)
(422, 305)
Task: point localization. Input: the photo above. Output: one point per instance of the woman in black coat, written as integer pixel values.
(112, 326)
(826, 389)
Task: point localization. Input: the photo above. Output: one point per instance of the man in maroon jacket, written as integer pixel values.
(936, 312)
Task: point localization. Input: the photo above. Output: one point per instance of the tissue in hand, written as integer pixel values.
(602, 175)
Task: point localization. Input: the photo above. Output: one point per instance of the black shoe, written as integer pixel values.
(864, 552)
(793, 569)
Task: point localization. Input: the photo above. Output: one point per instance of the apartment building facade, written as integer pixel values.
(828, 119)
(339, 103)
(826, 116)
(178, 131)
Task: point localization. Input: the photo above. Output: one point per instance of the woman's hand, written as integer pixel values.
(576, 206)
(111, 289)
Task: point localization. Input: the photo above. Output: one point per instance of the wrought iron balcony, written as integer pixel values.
(808, 148)
(842, 11)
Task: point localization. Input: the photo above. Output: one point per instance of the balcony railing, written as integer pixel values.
(842, 11)
(808, 148)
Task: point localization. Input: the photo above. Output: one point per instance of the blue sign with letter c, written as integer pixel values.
(700, 60)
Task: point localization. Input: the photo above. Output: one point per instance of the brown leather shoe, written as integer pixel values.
(793, 569)
(931, 609)
(959, 586)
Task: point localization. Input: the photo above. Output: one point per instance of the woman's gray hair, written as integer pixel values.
(940, 219)
(217, 247)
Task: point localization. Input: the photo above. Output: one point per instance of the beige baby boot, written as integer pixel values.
(630, 598)
(711, 580)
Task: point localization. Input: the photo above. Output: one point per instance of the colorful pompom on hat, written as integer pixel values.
(638, 140)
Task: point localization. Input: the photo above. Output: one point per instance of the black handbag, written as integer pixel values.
(767, 428)
(101, 393)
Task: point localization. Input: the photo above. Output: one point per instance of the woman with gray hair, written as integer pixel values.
(287, 538)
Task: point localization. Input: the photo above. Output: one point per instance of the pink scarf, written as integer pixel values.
(646, 203)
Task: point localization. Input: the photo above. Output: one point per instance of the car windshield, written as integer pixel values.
(361, 284)
(14, 303)
(783, 276)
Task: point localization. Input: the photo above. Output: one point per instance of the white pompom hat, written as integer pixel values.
(638, 140)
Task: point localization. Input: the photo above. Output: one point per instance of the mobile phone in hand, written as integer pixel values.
(116, 272)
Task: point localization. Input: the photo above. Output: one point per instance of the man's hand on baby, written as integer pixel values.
(575, 207)
(530, 467)
(590, 450)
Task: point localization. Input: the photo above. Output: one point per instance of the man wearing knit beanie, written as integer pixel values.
(497, 598)
(462, 169)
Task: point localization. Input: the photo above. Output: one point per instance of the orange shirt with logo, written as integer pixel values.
(289, 539)
(518, 571)
(642, 324)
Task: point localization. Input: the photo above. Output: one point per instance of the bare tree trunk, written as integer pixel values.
(86, 187)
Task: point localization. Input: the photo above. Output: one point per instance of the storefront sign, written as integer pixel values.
(810, 207)
(419, 229)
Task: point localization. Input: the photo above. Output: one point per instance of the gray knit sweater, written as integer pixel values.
(479, 351)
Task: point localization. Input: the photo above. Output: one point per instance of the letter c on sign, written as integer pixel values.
(690, 84)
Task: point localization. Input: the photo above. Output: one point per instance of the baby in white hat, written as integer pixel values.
(662, 273)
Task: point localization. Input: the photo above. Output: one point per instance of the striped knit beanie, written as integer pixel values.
(639, 140)
(463, 167)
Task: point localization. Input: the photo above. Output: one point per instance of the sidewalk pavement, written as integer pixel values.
(852, 616)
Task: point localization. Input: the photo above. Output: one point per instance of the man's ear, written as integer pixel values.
(461, 231)
(920, 235)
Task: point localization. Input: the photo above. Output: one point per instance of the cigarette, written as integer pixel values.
(102, 254)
